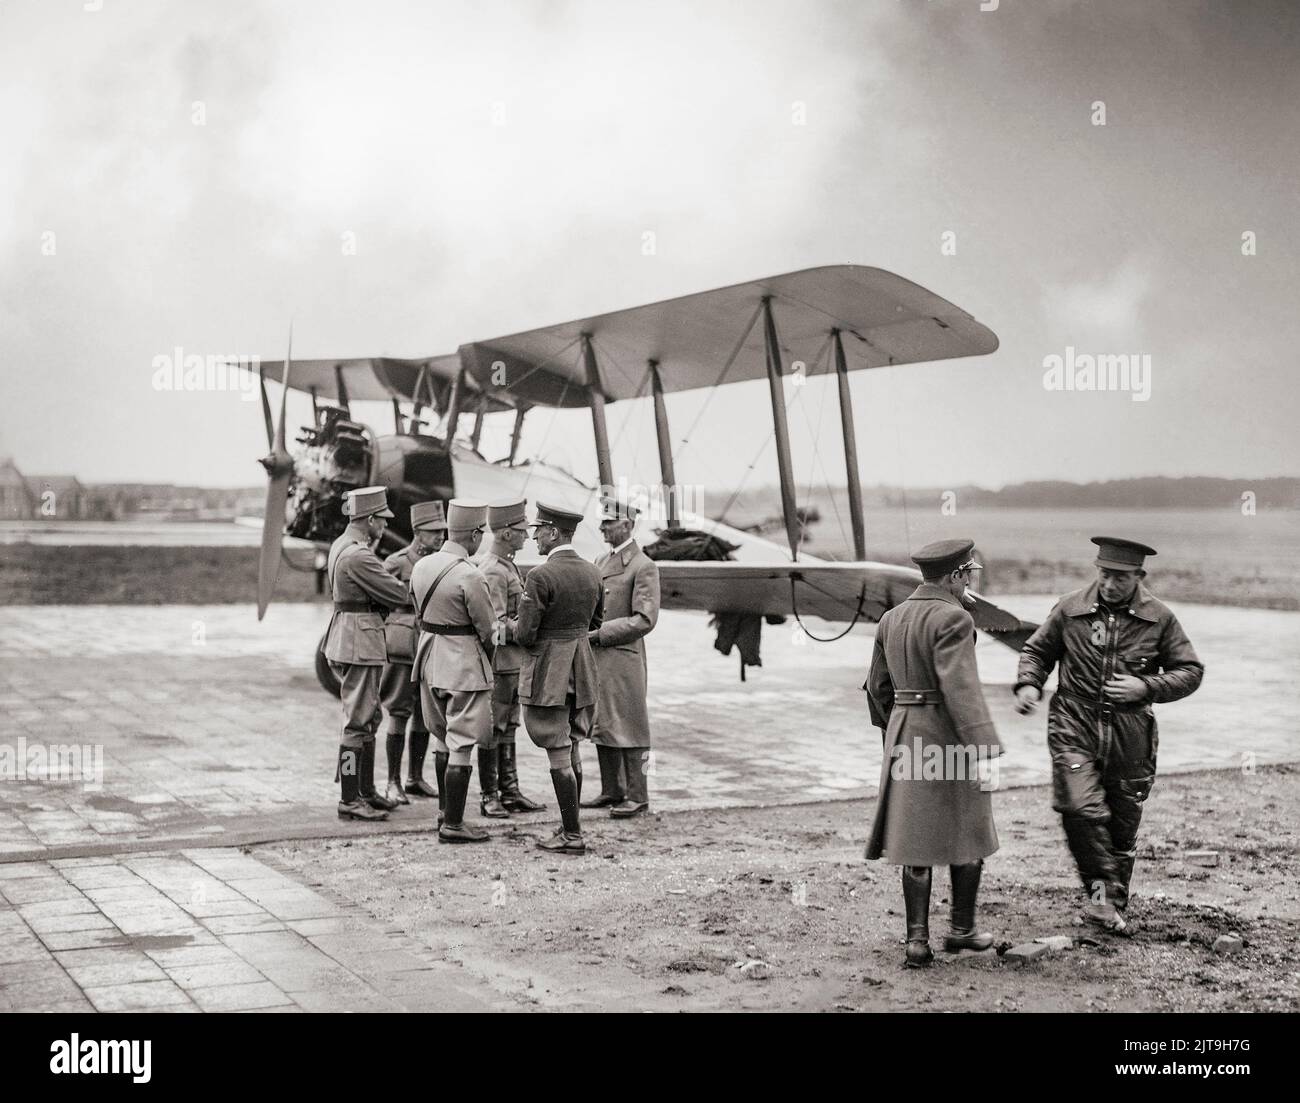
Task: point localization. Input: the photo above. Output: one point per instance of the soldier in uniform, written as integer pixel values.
(621, 727)
(924, 692)
(1119, 651)
(563, 603)
(397, 690)
(498, 768)
(354, 645)
(454, 662)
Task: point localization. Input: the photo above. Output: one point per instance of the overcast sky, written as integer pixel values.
(499, 164)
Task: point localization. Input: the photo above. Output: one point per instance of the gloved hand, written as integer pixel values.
(1027, 698)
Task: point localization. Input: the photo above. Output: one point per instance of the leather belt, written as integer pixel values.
(918, 697)
(357, 607)
(449, 629)
(561, 633)
(1106, 708)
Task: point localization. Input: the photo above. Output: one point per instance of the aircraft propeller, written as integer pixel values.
(279, 469)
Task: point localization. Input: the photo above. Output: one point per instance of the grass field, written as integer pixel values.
(1211, 556)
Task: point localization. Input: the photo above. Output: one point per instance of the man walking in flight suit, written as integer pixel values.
(397, 690)
(621, 726)
(354, 645)
(453, 662)
(498, 768)
(1119, 651)
(562, 603)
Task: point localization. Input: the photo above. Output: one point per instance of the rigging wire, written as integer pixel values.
(549, 429)
(713, 389)
(794, 608)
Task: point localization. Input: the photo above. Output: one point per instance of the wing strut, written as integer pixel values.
(785, 468)
(596, 400)
(453, 409)
(342, 388)
(850, 450)
(666, 472)
(520, 411)
(478, 423)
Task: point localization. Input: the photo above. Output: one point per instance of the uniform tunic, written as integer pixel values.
(396, 690)
(454, 671)
(631, 584)
(563, 601)
(928, 816)
(505, 587)
(354, 641)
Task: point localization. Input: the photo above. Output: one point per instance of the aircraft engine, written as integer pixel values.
(333, 458)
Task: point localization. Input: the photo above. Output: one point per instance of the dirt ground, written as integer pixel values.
(665, 913)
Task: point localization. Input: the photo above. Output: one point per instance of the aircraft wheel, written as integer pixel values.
(328, 682)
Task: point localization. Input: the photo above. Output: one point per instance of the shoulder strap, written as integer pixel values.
(337, 560)
(440, 576)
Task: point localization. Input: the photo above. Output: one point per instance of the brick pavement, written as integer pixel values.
(204, 930)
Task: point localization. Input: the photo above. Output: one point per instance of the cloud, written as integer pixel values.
(1107, 307)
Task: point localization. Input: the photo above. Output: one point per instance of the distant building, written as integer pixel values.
(56, 497)
(15, 499)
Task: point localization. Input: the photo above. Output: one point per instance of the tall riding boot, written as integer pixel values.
(394, 744)
(1123, 877)
(368, 793)
(508, 768)
(962, 934)
(635, 765)
(440, 760)
(489, 803)
(611, 792)
(415, 783)
(1090, 843)
(568, 840)
(351, 806)
(575, 763)
(454, 829)
(916, 901)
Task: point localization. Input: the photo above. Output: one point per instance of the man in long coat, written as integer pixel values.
(401, 634)
(1119, 652)
(454, 662)
(563, 603)
(621, 727)
(355, 648)
(934, 807)
(498, 765)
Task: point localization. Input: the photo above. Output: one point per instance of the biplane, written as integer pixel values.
(837, 319)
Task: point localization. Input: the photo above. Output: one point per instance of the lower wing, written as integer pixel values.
(832, 591)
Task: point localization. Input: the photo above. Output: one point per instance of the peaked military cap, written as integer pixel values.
(1119, 554)
(617, 509)
(504, 514)
(464, 514)
(945, 556)
(564, 519)
(366, 501)
(428, 515)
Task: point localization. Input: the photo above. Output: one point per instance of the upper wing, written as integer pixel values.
(712, 337)
(831, 591)
(379, 378)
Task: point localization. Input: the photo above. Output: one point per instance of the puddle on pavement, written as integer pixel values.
(104, 802)
(161, 941)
